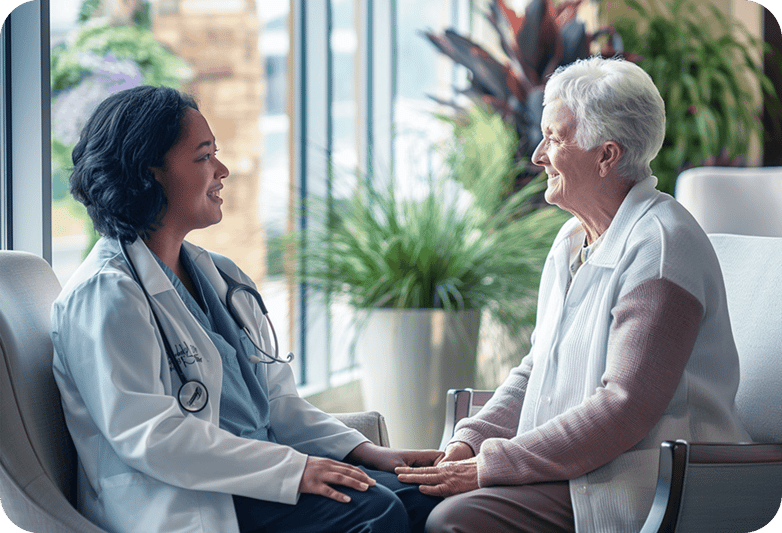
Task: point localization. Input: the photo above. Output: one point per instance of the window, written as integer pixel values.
(302, 97)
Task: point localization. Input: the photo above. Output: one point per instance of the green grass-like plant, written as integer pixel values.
(381, 250)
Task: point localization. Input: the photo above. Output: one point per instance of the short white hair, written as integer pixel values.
(613, 99)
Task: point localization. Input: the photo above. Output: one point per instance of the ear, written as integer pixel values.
(157, 173)
(610, 154)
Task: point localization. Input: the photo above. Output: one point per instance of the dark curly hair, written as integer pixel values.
(128, 133)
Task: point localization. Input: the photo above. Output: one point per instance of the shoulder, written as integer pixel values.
(229, 267)
(667, 242)
(102, 284)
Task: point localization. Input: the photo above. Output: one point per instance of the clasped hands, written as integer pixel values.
(454, 473)
(437, 473)
(321, 475)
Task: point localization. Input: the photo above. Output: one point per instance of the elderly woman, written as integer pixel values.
(632, 344)
(183, 415)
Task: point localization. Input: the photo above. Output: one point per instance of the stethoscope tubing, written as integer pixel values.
(234, 287)
(193, 394)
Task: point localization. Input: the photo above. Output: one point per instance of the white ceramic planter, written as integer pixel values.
(409, 359)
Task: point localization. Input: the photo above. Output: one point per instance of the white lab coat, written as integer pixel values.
(144, 463)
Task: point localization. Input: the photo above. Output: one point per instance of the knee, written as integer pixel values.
(444, 518)
(383, 509)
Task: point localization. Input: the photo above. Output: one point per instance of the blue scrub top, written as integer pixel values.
(244, 399)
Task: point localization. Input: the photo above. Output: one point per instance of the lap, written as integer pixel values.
(388, 506)
(539, 508)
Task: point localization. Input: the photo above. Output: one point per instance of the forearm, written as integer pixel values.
(499, 418)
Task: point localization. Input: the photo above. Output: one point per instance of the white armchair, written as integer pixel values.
(739, 200)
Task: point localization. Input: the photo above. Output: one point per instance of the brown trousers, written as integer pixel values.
(537, 508)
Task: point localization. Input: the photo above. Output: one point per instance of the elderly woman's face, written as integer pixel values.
(192, 177)
(573, 173)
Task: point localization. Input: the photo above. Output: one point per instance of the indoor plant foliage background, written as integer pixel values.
(435, 247)
(703, 65)
(423, 264)
(697, 56)
(534, 43)
(459, 240)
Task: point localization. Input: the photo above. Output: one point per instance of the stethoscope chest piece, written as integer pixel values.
(193, 396)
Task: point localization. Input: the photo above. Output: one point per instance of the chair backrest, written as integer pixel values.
(751, 268)
(37, 457)
(738, 200)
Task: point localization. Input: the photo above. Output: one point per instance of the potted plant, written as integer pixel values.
(701, 62)
(420, 269)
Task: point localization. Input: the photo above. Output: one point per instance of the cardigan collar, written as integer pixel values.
(637, 202)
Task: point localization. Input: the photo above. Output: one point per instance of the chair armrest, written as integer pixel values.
(716, 487)
(461, 403)
(371, 424)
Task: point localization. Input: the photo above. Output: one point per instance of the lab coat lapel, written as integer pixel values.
(203, 260)
(245, 305)
(189, 342)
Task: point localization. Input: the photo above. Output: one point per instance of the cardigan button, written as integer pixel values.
(582, 490)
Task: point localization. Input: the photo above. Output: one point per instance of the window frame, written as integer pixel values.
(25, 131)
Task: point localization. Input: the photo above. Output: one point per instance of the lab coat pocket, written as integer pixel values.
(147, 504)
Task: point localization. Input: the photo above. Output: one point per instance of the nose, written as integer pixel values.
(538, 154)
(222, 171)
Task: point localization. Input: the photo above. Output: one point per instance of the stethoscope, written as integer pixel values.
(193, 394)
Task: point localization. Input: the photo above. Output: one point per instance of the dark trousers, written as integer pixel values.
(388, 507)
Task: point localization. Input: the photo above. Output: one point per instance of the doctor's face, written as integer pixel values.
(192, 177)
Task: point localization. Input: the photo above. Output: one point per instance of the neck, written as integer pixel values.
(601, 210)
(166, 246)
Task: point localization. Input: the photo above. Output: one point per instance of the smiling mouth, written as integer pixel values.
(214, 194)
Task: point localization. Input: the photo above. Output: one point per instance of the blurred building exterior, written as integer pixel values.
(219, 38)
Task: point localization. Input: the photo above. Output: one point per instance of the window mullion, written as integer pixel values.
(26, 127)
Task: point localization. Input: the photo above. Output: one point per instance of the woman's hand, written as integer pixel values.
(387, 459)
(446, 479)
(456, 451)
(321, 473)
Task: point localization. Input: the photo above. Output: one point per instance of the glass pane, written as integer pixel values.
(71, 104)
(421, 72)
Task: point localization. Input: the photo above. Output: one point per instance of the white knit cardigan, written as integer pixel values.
(634, 350)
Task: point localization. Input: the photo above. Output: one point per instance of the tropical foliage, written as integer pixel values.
(534, 45)
(702, 63)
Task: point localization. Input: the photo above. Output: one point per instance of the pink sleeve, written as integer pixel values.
(499, 418)
(652, 335)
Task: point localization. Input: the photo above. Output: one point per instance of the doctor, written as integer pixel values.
(236, 448)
